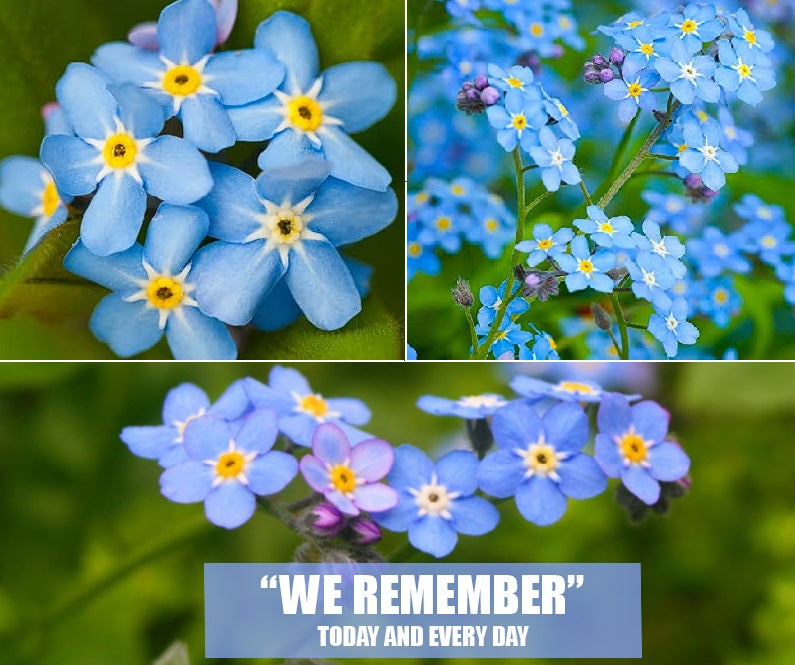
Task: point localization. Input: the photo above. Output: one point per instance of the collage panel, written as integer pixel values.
(202, 180)
(107, 520)
(600, 180)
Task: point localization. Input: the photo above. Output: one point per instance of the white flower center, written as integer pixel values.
(541, 458)
(649, 278)
(659, 248)
(482, 401)
(671, 323)
(434, 499)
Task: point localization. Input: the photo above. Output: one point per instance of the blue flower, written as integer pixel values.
(697, 24)
(182, 405)
(669, 248)
(273, 228)
(644, 46)
(613, 232)
(705, 156)
(27, 189)
(786, 273)
(690, 76)
(314, 113)
(586, 270)
(558, 112)
(545, 243)
(770, 240)
(539, 460)
(437, 501)
(566, 390)
(471, 407)
(631, 445)
(749, 42)
(650, 275)
(346, 476)
(751, 208)
(228, 466)
(115, 152)
(144, 35)
(543, 348)
(719, 300)
(516, 78)
(491, 299)
(518, 120)
(420, 258)
(301, 411)
(187, 79)
(745, 78)
(411, 352)
(673, 210)
(554, 157)
(153, 291)
(670, 326)
(715, 252)
(510, 336)
(633, 89)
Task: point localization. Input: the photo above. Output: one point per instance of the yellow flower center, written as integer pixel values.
(443, 223)
(634, 90)
(491, 225)
(721, 296)
(576, 387)
(422, 197)
(519, 121)
(564, 22)
(541, 458)
(764, 213)
(514, 82)
(768, 242)
(182, 80)
(586, 266)
(681, 148)
(633, 447)
(545, 244)
(305, 113)
(458, 190)
(342, 478)
(165, 293)
(415, 249)
(634, 24)
(315, 405)
(647, 49)
(552, 344)
(702, 116)
(563, 110)
(689, 26)
(50, 199)
(120, 151)
(288, 229)
(744, 70)
(750, 37)
(536, 29)
(606, 227)
(230, 465)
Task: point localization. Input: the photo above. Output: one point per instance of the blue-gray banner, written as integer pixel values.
(584, 610)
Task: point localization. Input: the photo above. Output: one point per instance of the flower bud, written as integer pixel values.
(328, 520)
(600, 61)
(490, 96)
(606, 75)
(481, 82)
(462, 294)
(367, 531)
(601, 317)
(616, 55)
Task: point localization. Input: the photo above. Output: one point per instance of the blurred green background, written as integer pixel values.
(49, 319)
(76, 507)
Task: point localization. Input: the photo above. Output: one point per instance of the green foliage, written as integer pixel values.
(44, 310)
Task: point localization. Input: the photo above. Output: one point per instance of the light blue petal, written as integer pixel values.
(148, 442)
(615, 415)
(72, 162)
(288, 380)
(315, 473)
(330, 445)
(412, 468)
(141, 114)
(322, 285)
(195, 336)
(243, 76)
(581, 477)
(434, 535)
(352, 163)
(290, 38)
(257, 121)
(115, 215)
(206, 124)
(231, 504)
(551, 179)
(205, 439)
(668, 462)
(231, 280)
(341, 501)
(749, 93)
(124, 63)
(372, 459)
(346, 214)
(358, 93)
(650, 420)
(278, 310)
(457, 471)
(183, 402)
(641, 484)
(127, 328)
(713, 176)
(288, 149)
(187, 31)
(500, 473)
(566, 427)
(43, 227)
(540, 501)
(188, 482)
(118, 272)
(353, 411)
(233, 403)
(258, 431)
(692, 160)
(401, 516)
(173, 237)
(375, 498)
(271, 473)
(516, 426)
(21, 184)
(89, 106)
(474, 516)
(232, 204)
(607, 455)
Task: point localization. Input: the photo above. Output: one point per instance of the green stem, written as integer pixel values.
(585, 193)
(630, 168)
(659, 155)
(472, 332)
(652, 172)
(635, 325)
(623, 352)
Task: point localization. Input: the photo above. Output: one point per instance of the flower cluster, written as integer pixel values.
(273, 251)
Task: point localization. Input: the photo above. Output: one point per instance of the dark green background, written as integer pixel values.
(40, 37)
(75, 505)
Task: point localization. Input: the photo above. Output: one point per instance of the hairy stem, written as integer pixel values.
(623, 352)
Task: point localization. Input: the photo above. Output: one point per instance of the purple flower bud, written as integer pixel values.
(606, 75)
(708, 193)
(591, 73)
(367, 531)
(616, 55)
(532, 280)
(693, 181)
(467, 85)
(329, 521)
(472, 95)
(490, 96)
(481, 82)
(600, 61)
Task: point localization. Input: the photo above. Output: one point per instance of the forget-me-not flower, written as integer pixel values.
(554, 158)
(518, 119)
(705, 156)
(696, 24)
(545, 244)
(613, 232)
(689, 76)
(742, 76)
(651, 276)
(633, 90)
(670, 326)
(470, 407)
(586, 270)
(668, 248)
